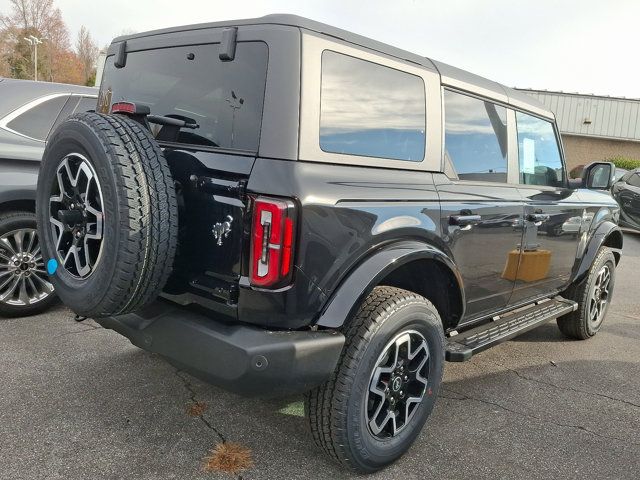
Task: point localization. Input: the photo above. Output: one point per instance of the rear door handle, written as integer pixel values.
(538, 217)
(464, 220)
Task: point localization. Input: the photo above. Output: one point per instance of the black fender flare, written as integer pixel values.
(368, 274)
(598, 238)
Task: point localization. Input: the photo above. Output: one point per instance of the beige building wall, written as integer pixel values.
(584, 150)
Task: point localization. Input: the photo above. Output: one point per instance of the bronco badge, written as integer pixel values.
(222, 230)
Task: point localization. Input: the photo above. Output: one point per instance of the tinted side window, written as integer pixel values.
(191, 83)
(371, 110)
(538, 152)
(37, 122)
(67, 110)
(475, 138)
(634, 180)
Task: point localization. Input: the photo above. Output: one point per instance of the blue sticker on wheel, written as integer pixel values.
(52, 266)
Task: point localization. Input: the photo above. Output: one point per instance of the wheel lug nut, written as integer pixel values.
(406, 378)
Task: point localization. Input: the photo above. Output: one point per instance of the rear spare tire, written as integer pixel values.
(107, 214)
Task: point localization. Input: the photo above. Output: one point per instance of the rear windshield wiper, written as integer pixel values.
(171, 121)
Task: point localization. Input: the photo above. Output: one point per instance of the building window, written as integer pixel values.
(475, 138)
(371, 110)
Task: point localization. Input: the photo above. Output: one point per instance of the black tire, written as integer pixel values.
(41, 295)
(140, 221)
(578, 324)
(337, 410)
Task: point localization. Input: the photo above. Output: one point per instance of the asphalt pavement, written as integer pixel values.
(80, 402)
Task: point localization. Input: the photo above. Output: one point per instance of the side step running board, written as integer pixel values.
(463, 346)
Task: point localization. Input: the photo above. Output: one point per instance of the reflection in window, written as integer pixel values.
(37, 122)
(634, 180)
(371, 110)
(475, 138)
(191, 83)
(538, 152)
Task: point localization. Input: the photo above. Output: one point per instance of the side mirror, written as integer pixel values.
(598, 175)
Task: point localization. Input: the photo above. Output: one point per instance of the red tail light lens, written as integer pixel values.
(272, 242)
(123, 107)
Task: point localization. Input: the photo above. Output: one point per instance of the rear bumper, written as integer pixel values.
(243, 359)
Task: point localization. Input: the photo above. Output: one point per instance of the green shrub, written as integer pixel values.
(624, 162)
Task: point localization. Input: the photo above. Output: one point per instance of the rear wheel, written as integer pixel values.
(24, 286)
(385, 385)
(107, 214)
(593, 296)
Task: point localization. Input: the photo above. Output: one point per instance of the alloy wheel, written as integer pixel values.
(23, 279)
(599, 298)
(76, 216)
(398, 384)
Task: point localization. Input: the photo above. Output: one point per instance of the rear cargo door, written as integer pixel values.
(220, 104)
(212, 209)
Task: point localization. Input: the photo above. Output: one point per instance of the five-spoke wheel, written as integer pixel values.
(76, 215)
(599, 296)
(398, 384)
(593, 296)
(386, 382)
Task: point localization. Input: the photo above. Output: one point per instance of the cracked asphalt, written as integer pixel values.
(78, 402)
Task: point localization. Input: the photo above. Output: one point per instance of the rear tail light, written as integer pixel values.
(272, 242)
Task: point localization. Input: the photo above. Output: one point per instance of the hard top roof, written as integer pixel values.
(451, 76)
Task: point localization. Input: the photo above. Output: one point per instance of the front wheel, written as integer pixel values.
(593, 296)
(374, 406)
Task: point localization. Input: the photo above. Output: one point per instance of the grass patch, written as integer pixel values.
(296, 409)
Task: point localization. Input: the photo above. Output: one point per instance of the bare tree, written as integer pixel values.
(87, 51)
(43, 20)
(30, 14)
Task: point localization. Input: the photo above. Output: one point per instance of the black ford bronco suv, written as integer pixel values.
(278, 206)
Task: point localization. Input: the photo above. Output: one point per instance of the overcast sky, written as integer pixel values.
(582, 46)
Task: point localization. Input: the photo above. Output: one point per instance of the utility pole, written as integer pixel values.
(34, 42)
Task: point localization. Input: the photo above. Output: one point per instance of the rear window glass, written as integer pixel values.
(37, 121)
(371, 110)
(224, 99)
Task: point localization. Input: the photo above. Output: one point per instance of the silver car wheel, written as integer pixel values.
(23, 279)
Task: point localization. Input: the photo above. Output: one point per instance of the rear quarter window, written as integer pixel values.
(191, 83)
(38, 121)
(371, 110)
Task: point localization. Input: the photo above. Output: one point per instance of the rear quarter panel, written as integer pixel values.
(345, 214)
